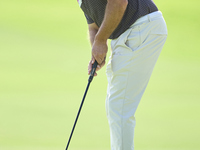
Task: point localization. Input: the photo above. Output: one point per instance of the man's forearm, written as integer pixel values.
(92, 33)
(113, 15)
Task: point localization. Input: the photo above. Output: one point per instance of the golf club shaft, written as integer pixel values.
(78, 114)
(94, 66)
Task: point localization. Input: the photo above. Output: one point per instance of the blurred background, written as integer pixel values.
(44, 53)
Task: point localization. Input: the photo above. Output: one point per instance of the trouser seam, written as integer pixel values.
(122, 120)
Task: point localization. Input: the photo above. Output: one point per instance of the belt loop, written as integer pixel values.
(149, 18)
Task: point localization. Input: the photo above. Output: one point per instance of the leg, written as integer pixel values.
(134, 56)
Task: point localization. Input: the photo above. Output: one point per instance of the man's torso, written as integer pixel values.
(95, 9)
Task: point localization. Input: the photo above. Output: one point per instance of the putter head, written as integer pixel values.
(94, 66)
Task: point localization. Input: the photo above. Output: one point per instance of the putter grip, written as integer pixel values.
(94, 66)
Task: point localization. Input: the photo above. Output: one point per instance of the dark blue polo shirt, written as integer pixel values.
(94, 11)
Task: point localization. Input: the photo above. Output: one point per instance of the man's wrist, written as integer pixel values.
(101, 39)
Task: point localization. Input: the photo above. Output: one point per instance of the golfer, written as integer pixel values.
(138, 32)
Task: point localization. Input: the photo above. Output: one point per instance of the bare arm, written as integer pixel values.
(98, 36)
(93, 29)
(113, 15)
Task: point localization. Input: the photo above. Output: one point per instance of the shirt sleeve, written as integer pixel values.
(89, 20)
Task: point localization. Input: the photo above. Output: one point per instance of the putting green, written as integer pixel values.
(44, 53)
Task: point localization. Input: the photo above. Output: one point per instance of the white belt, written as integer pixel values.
(148, 18)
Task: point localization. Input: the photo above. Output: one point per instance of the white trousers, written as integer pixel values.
(134, 55)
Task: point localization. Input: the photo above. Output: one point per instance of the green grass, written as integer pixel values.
(44, 53)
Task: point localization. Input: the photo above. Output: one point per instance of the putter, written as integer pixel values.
(94, 66)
